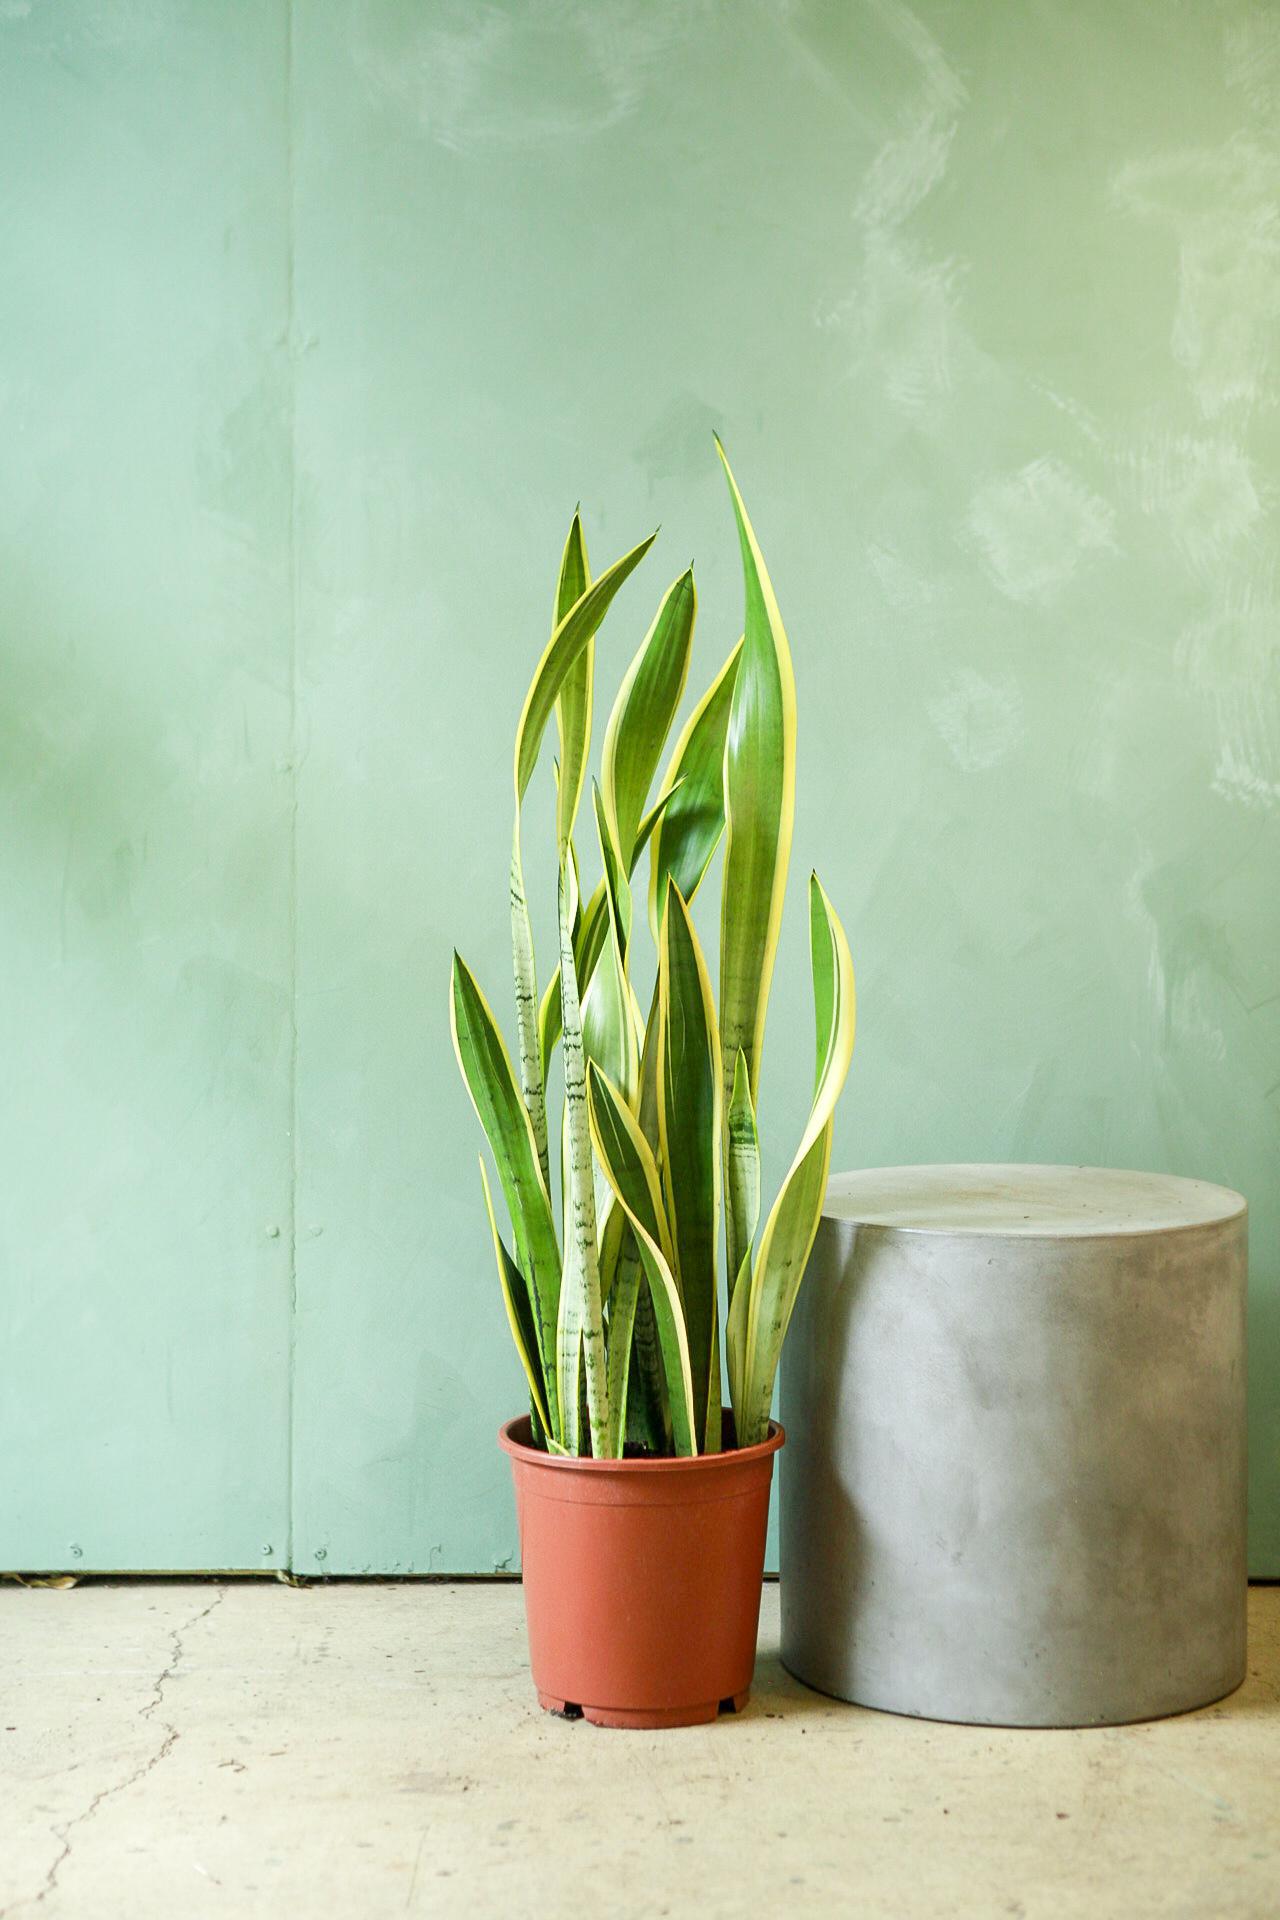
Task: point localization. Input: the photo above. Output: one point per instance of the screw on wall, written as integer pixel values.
(77, 1551)
(322, 1553)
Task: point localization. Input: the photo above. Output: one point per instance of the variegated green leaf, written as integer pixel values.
(735, 1336)
(617, 882)
(692, 793)
(648, 1408)
(608, 1028)
(789, 1231)
(580, 1330)
(742, 1175)
(588, 943)
(490, 1081)
(648, 824)
(578, 626)
(574, 632)
(689, 1113)
(623, 1298)
(525, 970)
(759, 783)
(573, 704)
(629, 1165)
(643, 712)
(516, 1299)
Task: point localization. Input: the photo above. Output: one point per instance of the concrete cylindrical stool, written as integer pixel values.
(1013, 1489)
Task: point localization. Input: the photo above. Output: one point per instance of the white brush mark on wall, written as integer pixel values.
(907, 168)
(1236, 645)
(1099, 750)
(900, 321)
(900, 317)
(1191, 1016)
(942, 86)
(1230, 661)
(901, 585)
(1035, 527)
(979, 720)
(1222, 207)
(1072, 409)
(1238, 778)
(484, 77)
(1203, 490)
(1252, 57)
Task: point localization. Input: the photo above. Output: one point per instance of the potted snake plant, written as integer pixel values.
(642, 1499)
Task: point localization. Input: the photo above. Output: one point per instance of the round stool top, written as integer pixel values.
(1053, 1202)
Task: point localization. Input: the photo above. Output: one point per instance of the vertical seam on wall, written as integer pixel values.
(293, 755)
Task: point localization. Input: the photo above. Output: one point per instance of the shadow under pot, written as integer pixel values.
(642, 1579)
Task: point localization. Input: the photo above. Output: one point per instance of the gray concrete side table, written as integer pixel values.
(1013, 1489)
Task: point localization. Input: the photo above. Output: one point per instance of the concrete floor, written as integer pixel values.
(187, 1749)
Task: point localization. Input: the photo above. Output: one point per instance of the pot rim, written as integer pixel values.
(519, 1449)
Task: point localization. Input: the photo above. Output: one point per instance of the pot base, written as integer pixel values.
(698, 1716)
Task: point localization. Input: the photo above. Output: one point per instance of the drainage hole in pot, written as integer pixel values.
(570, 1711)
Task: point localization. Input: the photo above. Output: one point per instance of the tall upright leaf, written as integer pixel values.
(742, 1159)
(574, 632)
(789, 1231)
(589, 938)
(573, 703)
(580, 1331)
(608, 1028)
(515, 1298)
(643, 712)
(633, 1175)
(490, 1080)
(624, 1298)
(692, 795)
(759, 782)
(689, 1109)
(742, 1206)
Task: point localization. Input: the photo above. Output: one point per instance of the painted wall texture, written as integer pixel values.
(316, 322)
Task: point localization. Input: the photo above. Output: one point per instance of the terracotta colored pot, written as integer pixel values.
(642, 1579)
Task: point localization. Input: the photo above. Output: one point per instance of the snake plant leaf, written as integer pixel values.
(648, 824)
(590, 934)
(617, 883)
(612, 1232)
(624, 1154)
(578, 626)
(515, 1298)
(590, 930)
(648, 1405)
(608, 1023)
(643, 712)
(573, 633)
(735, 1341)
(689, 1082)
(648, 1402)
(490, 1080)
(624, 1297)
(580, 1328)
(789, 1231)
(692, 794)
(759, 792)
(742, 1175)
(525, 971)
(573, 703)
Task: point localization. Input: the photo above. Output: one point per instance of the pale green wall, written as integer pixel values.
(982, 298)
